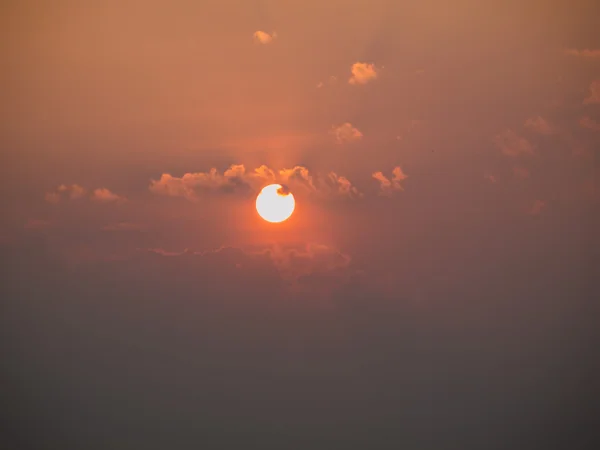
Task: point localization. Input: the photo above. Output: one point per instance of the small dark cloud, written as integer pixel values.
(283, 190)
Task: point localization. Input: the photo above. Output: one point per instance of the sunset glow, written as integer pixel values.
(311, 224)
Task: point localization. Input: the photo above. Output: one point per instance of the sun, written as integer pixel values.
(275, 203)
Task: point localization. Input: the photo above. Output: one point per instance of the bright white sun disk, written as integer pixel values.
(274, 204)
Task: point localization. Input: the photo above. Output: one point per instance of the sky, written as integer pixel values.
(436, 287)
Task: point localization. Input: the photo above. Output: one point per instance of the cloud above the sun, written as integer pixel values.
(237, 179)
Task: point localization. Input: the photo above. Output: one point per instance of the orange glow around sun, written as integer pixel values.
(275, 203)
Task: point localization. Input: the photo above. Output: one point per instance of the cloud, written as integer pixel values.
(491, 178)
(297, 266)
(339, 185)
(512, 144)
(594, 96)
(414, 124)
(591, 188)
(331, 80)
(362, 73)
(539, 125)
(588, 122)
(261, 37)
(346, 133)
(37, 224)
(297, 176)
(72, 192)
(583, 53)
(237, 179)
(387, 186)
(329, 186)
(103, 195)
(124, 226)
(310, 268)
(234, 179)
(52, 197)
(537, 207)
(306, 259)
(520, 172)
(76, 192)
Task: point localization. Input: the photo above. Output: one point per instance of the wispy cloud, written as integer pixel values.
(330, 81)
(124, 226)
(584, 53)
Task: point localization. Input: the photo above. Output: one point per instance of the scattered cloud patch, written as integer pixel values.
(346, 133)
(491, 178)
(588, 122)
(330, 81)
(37, 224)
(591, 188)
(262, 37)
(64, 192)
(362, 73)
(341, 186)
(310, 267)
(123, 226)
(539, 125)
(313, 267)
(299, 177)
(388, 186)
(594, 96)
(414, 124)
(52, 197)
(103, 195)
(190, 185)
(76, 192)
(537, 207)
(511, 144)
(583, 53)
(520, 172)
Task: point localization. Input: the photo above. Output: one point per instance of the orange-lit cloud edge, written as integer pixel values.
(237, 179)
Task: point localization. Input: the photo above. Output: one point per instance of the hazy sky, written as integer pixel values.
(436, 287)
